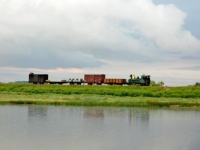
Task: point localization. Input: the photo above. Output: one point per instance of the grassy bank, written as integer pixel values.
(128, 96)
(122, 91)
(95, 100)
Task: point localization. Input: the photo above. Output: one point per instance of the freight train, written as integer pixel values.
(91, 79)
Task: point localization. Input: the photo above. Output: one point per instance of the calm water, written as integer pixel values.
(98, 128)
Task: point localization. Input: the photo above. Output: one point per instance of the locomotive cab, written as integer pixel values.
(144, 80)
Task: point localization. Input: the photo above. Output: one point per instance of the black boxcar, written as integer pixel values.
(37, 78)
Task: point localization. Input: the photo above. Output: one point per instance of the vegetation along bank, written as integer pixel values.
(100, 95)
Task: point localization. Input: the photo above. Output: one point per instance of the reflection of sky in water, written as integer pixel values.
(97, 128)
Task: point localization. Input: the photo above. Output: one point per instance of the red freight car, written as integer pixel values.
(94, 78)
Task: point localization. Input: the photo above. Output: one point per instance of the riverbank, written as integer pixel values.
(95, 100)
(121, 91)
(129, 96)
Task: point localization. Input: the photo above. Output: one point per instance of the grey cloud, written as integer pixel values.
(44, 59)
(193, 68)
(48, 34)
(119, 55)
(189, 57)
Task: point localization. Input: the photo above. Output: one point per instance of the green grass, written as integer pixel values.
(129, 96)
(122, 91)
(95, 100)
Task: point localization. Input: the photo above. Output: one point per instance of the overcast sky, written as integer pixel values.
(70, 38)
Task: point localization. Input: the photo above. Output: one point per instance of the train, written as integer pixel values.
(90, 79)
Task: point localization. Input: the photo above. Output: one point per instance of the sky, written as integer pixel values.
(70, 38)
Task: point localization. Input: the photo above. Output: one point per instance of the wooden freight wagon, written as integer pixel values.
(121, 81)
(115, 81)
(94, 78)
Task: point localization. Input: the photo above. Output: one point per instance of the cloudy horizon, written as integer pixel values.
(114, 37)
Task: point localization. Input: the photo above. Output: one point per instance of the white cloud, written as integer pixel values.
(79, 34)
(94, 23)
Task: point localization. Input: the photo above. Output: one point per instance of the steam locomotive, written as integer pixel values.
(91, 79)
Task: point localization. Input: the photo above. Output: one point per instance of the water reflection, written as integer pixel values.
(141, 115)
(37, 111)
(97, 113)
(97, 128)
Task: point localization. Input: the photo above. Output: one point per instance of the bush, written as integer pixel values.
(160, 83)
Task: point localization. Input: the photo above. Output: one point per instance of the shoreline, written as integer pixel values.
(19, 98)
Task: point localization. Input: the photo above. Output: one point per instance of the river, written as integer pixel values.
(98, 128)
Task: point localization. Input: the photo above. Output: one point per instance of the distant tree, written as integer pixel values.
(197, 84)
(18, 82)
(153, 83)
(10, 82)
(160, 83)
(21, 82)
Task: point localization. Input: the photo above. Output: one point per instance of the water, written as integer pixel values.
(98, 128)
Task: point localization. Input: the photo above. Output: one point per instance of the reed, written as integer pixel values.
(95, 100)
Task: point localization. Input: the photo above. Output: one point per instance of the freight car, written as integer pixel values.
(115, 81)
(94, 78)
(91, 79)
(37, 78)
